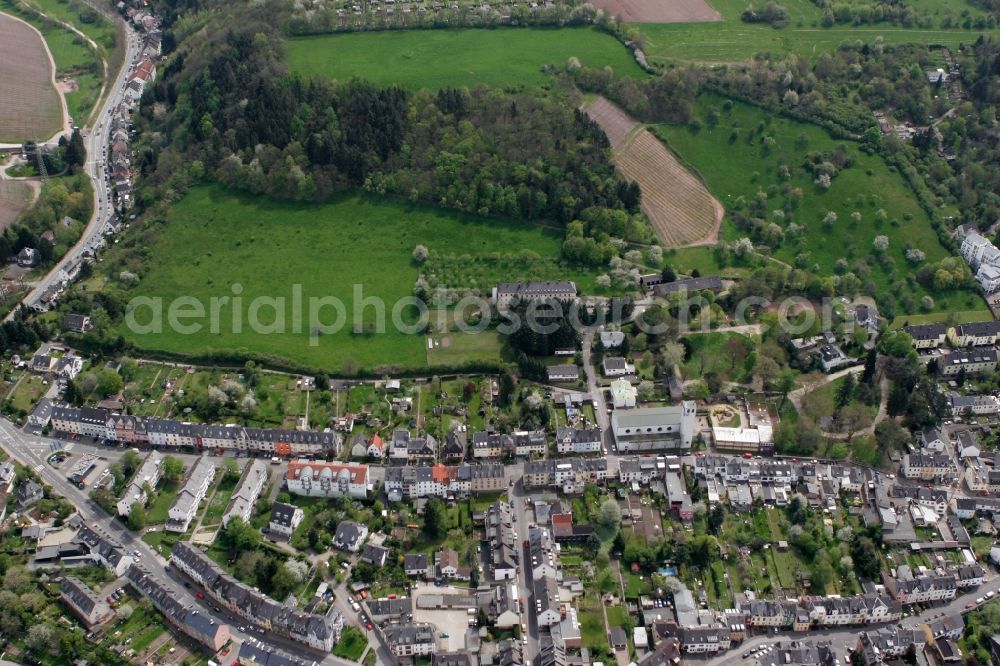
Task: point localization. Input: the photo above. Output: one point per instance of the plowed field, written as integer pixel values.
(681, 209)
(29, 103)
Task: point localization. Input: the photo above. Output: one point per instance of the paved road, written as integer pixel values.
(29, 450)
(96, 141)
(846, 638)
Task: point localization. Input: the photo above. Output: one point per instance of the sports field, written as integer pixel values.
(435, 59)
(736, 165)
(215, 239)
(31, 108)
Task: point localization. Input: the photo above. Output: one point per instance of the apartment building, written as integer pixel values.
(186, 504)
(322, 479)
(245, 496)
(320, 632)
(579, 441)
(148, 474)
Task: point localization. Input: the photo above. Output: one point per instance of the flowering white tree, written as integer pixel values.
(655, 254)
(881, 243)
(420, 253)
(830, 218)
(915, 255)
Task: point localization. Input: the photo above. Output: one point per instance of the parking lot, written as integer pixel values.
(451, 624)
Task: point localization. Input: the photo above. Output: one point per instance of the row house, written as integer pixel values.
(920, 590)
(640, 470)
(443, 480)
(971, 360)
(102, 424)
(406, 449)
(569, 475)
(741, 470)
(967, 507)
(579, 441)
(696, 639)
(931, 498)
(822, 611)
(189, 498)
(502, 548)
(102, 551)
(81, 421)
(127, 429)
(969, 575)
(322, 479)
(319, 632)
(84, 602)
(410, 640)
(494, 445)
(548, 607)
(543, 557)
(189, 620)
(247, 491)
(148, 475)
(888, 643)
(927, 336)
(927, 466)
(677, 495)
(979, 405)
(974, 334)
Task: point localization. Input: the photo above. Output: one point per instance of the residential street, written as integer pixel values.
(31, 451)
(96, 141)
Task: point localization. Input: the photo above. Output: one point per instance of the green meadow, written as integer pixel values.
(215, 239)
(435, 59)
(732, 40)
(737, 165)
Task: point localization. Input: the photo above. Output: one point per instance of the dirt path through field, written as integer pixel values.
(679, 206)
(65, 125)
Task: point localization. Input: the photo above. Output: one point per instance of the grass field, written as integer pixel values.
(15, 196)
(722, 353)
(31, 107)
(958, 317)
(736, 164)
(732, 40)
(441, 58)
(350, 246)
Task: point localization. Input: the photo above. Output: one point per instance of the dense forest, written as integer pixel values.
(226, 109)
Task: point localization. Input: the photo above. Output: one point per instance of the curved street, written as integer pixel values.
(96, 141)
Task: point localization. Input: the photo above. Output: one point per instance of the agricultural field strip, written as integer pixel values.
(33, 107)
(679, 206)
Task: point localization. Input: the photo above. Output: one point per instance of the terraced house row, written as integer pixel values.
(320, 632)
(104, 424)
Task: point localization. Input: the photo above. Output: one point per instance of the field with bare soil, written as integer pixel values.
(679, 206)
(30, 107)
(659, 11)
(15, 196)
